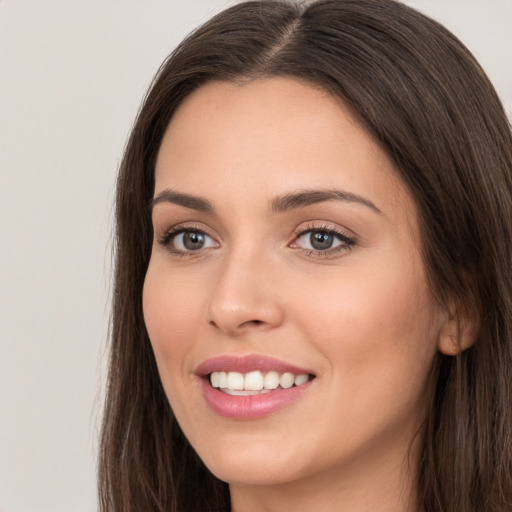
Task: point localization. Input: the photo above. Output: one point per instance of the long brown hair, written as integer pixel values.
(420, 93)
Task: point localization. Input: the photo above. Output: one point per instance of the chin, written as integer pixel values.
(253, 463)
(251, 473)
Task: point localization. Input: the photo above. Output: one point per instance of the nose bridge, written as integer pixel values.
(244, 294)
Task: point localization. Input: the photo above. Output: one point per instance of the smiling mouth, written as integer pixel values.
(256, 382)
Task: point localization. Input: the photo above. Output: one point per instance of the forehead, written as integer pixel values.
(266, 137)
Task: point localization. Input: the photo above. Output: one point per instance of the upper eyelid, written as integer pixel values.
(323, 225)
(164, 235)
(299, 230)
(345, 238)
(167, 238)
(187, 226)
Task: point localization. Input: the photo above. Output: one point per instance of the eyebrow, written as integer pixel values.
(308, 197)
(279, 204)
(186, 200)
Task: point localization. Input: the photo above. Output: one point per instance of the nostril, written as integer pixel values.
(252, 322)
(248, 323)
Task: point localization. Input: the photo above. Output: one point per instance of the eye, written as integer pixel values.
(187, 240)
(322, 241)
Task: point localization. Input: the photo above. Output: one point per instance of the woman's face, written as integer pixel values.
(285, 243)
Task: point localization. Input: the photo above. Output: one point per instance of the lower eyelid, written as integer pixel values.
(329, 252)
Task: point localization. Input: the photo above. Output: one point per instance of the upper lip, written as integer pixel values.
(244, 364)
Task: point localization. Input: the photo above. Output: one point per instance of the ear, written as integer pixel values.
(459, 331)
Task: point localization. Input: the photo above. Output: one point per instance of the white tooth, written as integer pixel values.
(235, 380)
(223, 380)
(214, 379)
(286, 380)
(253, 381)
(243, 392)
(271, 380)
(301, 379)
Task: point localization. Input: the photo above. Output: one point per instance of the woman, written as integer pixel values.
(313, 297)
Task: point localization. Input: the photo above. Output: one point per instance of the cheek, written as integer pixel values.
(377, 328)
(173, 301)
(172, 312)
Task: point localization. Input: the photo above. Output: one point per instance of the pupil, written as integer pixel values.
(193, 241)
(321, 241)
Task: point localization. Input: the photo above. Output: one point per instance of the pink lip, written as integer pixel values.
(244, 364)
(253, 406)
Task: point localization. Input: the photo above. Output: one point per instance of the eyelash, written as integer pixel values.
(347, 242)
(173, 232)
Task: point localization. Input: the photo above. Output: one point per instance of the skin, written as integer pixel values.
(361, 318)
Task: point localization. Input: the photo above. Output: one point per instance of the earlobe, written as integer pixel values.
(458, 333)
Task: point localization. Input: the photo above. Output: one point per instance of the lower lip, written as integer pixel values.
(252, 406)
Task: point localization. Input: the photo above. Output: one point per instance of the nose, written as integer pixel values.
(245, 296)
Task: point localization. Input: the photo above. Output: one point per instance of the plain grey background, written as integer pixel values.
(72, 75)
